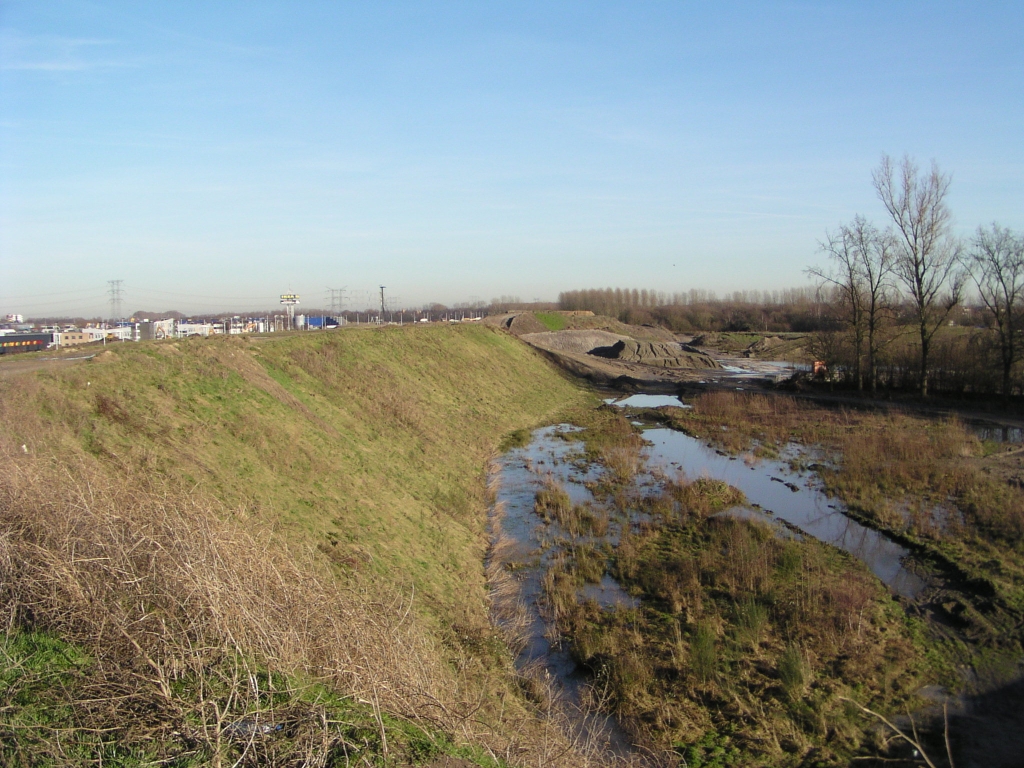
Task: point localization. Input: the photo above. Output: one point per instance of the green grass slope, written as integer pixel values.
(372, 442)
(360, 453)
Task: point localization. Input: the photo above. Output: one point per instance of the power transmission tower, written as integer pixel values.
(337, 300)
(115, 292)
(382, 304)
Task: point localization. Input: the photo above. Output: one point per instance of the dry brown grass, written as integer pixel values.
(165, 594)
(190, 615)
(895, 468)
(740, 626)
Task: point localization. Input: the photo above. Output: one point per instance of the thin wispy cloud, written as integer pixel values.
(54, 53)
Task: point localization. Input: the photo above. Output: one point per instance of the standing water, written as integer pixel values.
(527, 549)
(794, 497)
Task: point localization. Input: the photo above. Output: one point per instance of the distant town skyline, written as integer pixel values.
(216, 156)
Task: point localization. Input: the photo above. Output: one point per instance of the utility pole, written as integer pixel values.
(115, 291)
(381, 305)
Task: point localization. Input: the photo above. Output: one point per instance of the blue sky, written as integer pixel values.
(215, 155)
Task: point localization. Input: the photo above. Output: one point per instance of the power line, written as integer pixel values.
(198, 296)
(47, 295)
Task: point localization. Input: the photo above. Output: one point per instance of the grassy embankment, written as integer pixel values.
(551, 320)
(266, 550)
(562, 321)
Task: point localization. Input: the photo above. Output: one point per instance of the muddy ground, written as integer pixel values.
(656, 360)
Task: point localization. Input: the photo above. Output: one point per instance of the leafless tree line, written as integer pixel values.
(612, 301)
(916, 267)
(794, 309)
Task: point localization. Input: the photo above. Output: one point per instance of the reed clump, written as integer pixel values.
(919, 477)
(552, 501)
(612, 441)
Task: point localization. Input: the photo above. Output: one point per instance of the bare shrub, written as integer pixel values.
(751, 621)
(704, 652)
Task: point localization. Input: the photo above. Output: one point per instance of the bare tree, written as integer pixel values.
(874, 251)
(926, 258)
(997, 265)
(862, 266)
(844, 276)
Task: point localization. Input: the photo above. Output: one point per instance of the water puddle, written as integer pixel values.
(793, 497)
(608, 594)
(997, 434)
(529, 547)
(777, 370)
(647, 401)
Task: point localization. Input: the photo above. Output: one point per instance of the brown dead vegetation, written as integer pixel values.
(165, 594)
(744, 641)
(895, 468)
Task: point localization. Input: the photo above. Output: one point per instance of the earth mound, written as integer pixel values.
(622, 349)
(516, 323)
(580, 342)
(661, 354)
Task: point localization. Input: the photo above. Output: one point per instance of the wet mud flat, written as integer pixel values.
(782, 493)
(927, 584)
(523, 548)
(776, 493)
(528, 543)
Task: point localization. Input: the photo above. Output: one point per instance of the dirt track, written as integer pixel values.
(14, 365)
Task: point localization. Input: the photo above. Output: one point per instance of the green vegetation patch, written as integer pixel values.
(551, 320)
(370, 436)
(356, 456)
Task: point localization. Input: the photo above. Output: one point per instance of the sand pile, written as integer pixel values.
(580, 342)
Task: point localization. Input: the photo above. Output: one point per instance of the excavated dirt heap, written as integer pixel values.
(516, 323)
(657, 353)
(612, 346)
(579, 342)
